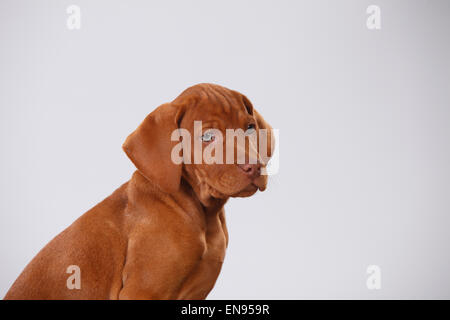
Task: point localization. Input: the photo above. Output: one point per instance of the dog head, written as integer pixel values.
(225, 144)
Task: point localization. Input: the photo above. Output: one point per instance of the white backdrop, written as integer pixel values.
(363, 116)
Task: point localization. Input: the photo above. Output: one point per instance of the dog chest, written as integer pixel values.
(201, 280)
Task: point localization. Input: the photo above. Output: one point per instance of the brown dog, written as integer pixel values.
(161, 235)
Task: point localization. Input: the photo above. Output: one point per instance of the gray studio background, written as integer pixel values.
(363, 116)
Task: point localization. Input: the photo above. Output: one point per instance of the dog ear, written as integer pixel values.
(269, 138)
(149, 147)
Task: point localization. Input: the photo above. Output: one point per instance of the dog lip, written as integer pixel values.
(251, 187)
(259, 184)
(249, 190)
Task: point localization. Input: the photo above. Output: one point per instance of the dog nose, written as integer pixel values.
(252, 171)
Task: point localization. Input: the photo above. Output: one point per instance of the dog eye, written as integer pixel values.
(207, 137)
(250, 129)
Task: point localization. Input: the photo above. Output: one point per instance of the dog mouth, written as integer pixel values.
(236, 188)
(248, 191)
(260, 182)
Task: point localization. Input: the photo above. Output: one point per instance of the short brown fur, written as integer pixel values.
(162, 234)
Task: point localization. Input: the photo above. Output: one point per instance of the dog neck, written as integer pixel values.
(189, 194)
(210, 199)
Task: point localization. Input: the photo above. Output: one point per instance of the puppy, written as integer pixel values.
(162, 234)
